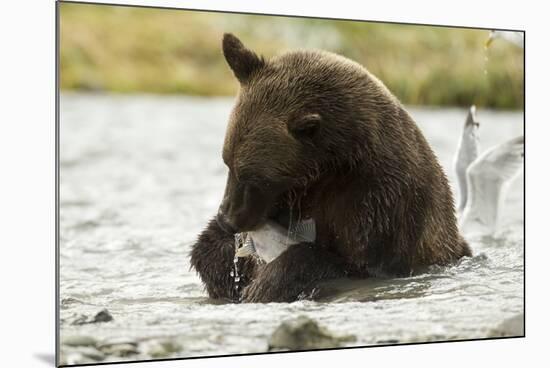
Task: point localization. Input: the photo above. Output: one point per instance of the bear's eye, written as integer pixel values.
(305, 127)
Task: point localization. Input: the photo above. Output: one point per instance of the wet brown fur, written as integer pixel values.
(360, 167)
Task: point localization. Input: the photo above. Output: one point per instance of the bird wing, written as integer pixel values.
(500, 163)
(487, 179)
(466, 153)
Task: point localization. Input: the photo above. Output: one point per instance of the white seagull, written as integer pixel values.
(483, 180)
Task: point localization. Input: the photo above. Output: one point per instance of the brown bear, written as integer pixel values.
(315, 135)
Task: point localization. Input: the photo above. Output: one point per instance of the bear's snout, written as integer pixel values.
(244, 206)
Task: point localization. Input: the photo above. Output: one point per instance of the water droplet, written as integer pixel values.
(231, 273)
(237, 279)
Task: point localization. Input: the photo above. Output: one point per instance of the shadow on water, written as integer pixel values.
(377, 289)
(371, 290)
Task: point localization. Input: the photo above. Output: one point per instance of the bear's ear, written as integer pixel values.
(240, 59)
(305, 127)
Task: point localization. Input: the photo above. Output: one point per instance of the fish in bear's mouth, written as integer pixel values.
(264, 222)
(275, 235)
(270, 240)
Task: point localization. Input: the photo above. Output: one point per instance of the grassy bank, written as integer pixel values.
(124, 49)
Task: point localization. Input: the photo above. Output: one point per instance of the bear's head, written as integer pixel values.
(297, 119)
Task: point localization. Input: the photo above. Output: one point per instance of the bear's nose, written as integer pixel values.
(224, 223)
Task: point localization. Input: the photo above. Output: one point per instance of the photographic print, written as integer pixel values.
(245, 183)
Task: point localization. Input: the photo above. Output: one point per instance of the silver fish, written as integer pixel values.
(247, 249)
(270, 240)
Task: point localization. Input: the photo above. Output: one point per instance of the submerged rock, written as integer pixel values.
(88, 352)
(70, 358)
(80, 349)
(119, 346)
(162, 348)
(78, 340)
(303, 333)
(513, 326)
(120, 350)
(117, 341)
(102, 316)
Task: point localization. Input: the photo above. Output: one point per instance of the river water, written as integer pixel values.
(141, 175)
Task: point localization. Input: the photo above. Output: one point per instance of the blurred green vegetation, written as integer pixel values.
(124, 49)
